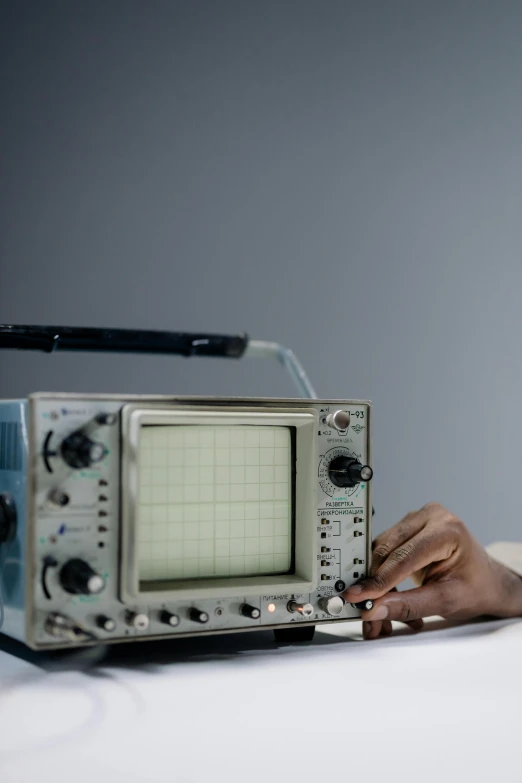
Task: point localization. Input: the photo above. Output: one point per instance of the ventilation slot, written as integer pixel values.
(10, 446)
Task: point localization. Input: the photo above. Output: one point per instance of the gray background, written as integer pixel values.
(343, 177)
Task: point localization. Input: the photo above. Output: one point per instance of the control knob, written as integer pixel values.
(197, 616)
(137, 620)
(250, 611)
(106, 418)
(58, 498)
(364, 606)
(333, 605)
(79, 451)
(105, 623)
(167, 618)
(345, 471)
(77, 577)
(339, 420)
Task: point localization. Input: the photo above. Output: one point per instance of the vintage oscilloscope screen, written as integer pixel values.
(215, 501)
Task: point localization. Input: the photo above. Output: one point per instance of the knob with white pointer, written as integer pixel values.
(167, 618)
(364, 606)
(79, 451)
(346, 471)
(197, 616)
(250, 611)
(77, 577)
(105, 623)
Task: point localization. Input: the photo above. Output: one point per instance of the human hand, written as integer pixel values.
(455, 576)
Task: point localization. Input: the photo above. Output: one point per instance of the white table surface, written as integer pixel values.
(443, 705)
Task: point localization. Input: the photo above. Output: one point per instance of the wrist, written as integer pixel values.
(508, 596)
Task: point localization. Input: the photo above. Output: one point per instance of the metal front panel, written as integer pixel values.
(343, 515)
(89, 527)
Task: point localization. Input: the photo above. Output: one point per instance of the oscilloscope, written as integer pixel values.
(127, 517)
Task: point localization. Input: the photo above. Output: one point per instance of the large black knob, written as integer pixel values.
(77, 577)
(79, 451)
(347, 471)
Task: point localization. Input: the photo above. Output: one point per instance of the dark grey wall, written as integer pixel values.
(344, 177)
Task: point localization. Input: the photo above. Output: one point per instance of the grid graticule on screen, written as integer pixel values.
(214, 501)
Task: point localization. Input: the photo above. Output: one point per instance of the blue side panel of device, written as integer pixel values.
(13, 478)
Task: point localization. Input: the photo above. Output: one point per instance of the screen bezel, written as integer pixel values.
(303, 421)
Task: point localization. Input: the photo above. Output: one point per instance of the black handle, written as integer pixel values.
(78, 338)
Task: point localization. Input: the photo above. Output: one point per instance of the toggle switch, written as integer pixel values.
(339, 420)
(306, 610)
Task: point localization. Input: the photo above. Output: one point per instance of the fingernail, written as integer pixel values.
(381, 613)
(354, 590)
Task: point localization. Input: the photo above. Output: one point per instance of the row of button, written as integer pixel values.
(140, 621)
(333, 606)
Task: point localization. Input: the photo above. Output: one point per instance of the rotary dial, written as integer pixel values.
(341, 472)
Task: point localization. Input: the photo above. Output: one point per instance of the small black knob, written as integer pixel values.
(364, 606)
(59, 498)
(79, 451)
(78, 578)
(250, 611)
(106, 419)
(198, 617)
(167, 618)
(7, 517)
(347, 471)
(105, 623)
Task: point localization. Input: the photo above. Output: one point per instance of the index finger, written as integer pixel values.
(397, 535)
(426, 547)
